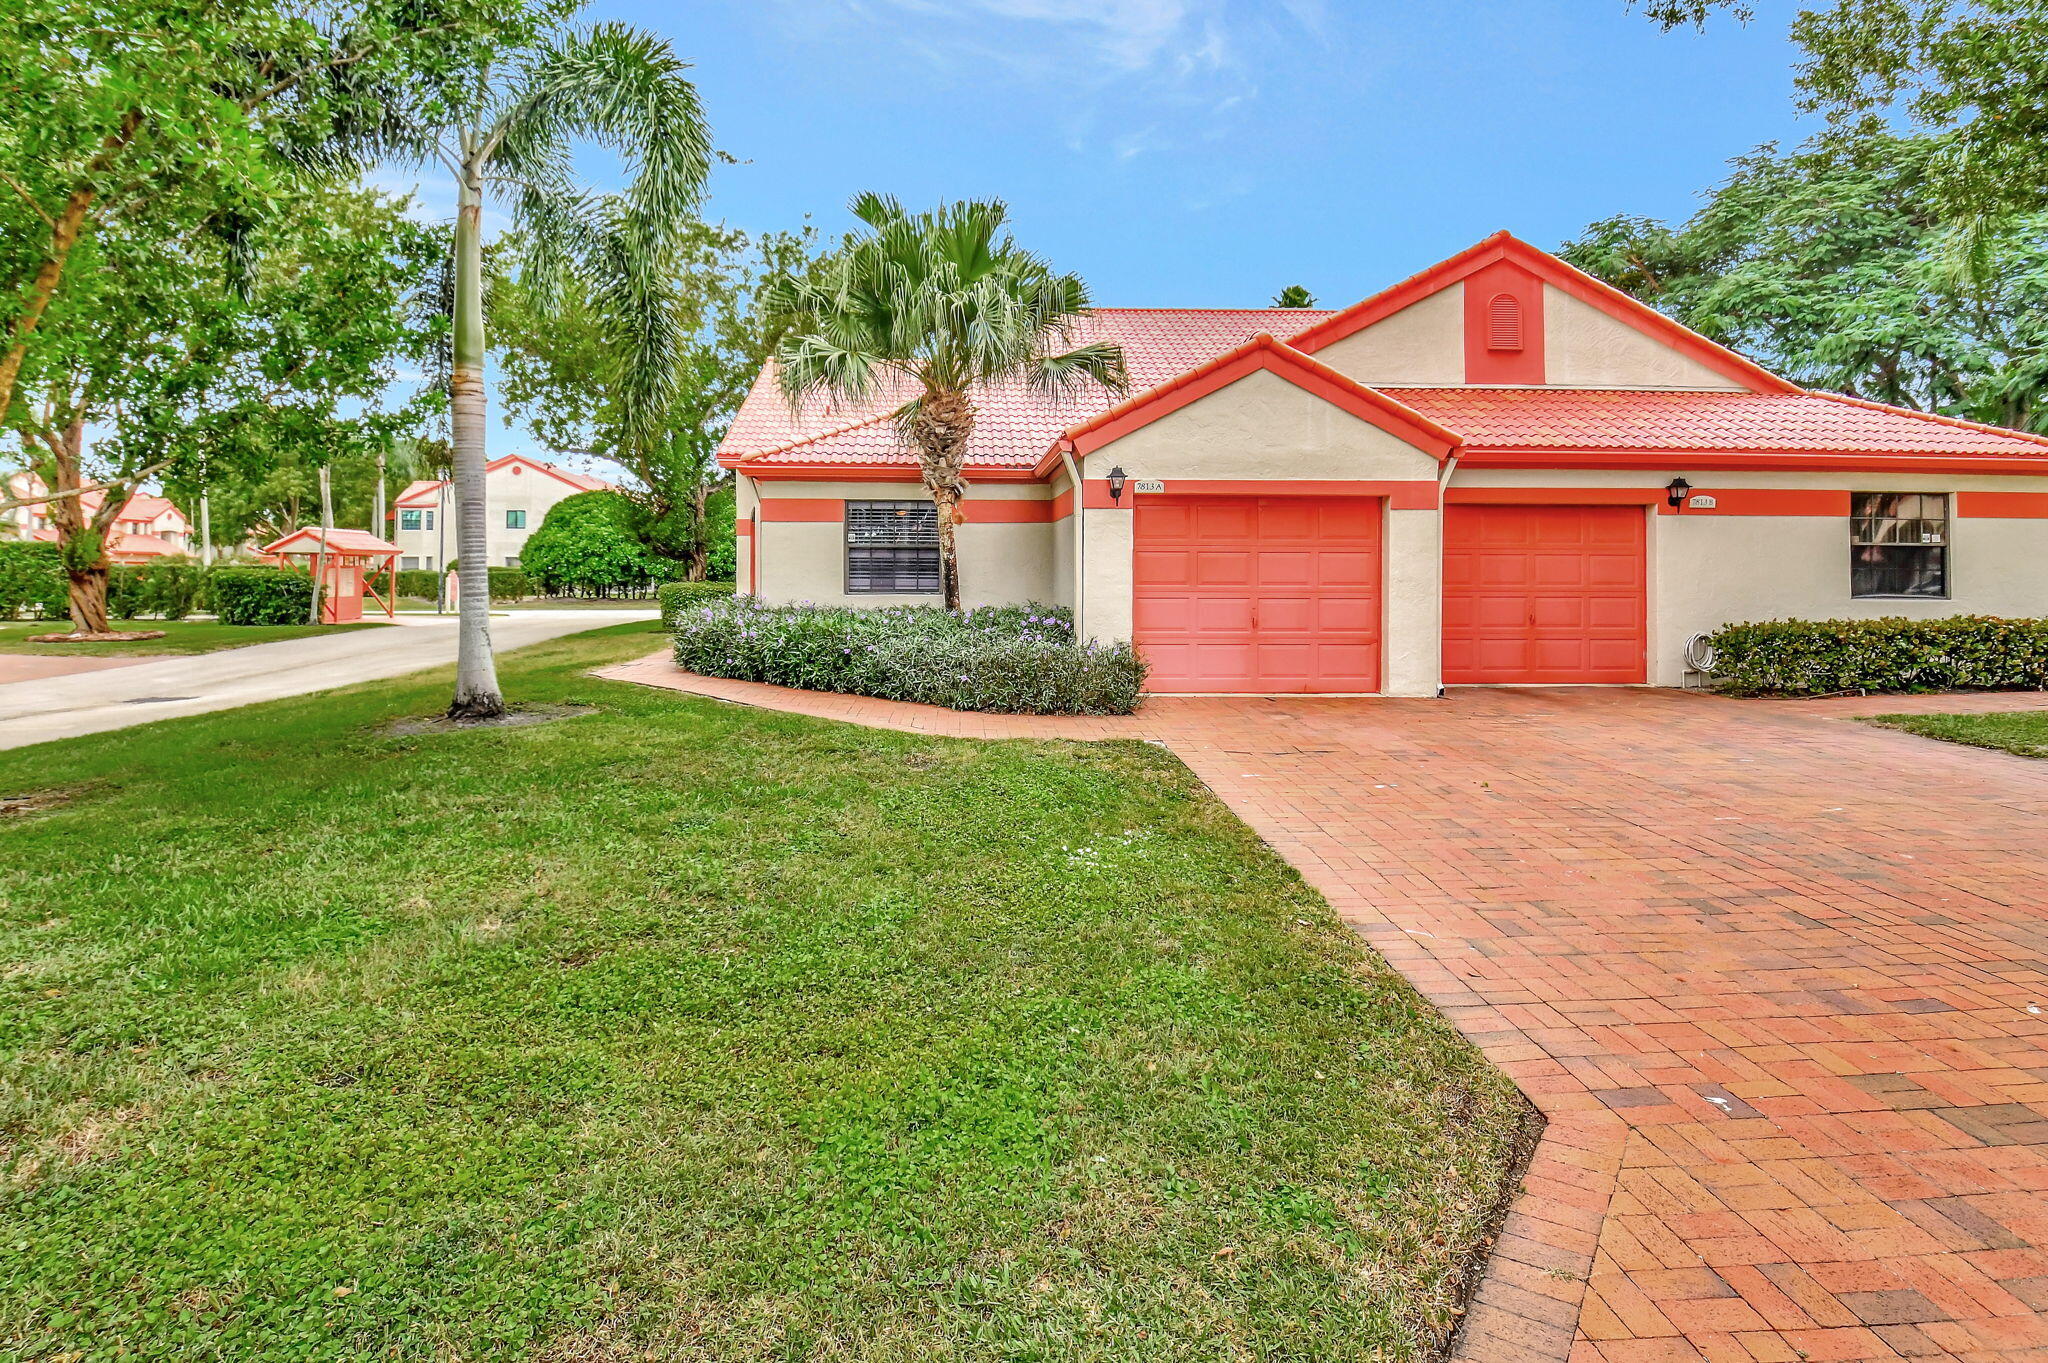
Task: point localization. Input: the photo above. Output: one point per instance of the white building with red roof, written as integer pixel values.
(1499, 471)
(520, 490)
(147, 526)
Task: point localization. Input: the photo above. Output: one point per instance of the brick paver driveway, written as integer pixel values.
(1778, 980)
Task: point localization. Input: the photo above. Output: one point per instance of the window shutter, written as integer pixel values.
(1504, 322)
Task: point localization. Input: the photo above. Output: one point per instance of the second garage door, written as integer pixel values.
(1258, 594)
(1543, 595)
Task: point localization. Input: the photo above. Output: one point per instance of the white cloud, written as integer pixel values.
(1130, 77)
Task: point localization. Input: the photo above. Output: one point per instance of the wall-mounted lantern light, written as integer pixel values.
(1117, 479)
(1676, 491)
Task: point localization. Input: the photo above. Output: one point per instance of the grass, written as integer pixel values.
(2022, 732)
(689, 1031)
(180, 636)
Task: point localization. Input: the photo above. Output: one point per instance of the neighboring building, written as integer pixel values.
(1498, 471)
(519, 492)
(147, 527)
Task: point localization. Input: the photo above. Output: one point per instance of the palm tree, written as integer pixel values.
(1294, 296)
(512, 133)
(936, 305)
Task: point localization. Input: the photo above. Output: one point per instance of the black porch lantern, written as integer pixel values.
(1117, 479)
(1677, 491)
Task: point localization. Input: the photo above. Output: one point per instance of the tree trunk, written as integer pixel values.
(699, 562)
(88, 589)
(81, 539)
(939, 432)
(476, 674)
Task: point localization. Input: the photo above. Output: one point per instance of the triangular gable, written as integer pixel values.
(1503, 247)
(1262, 352)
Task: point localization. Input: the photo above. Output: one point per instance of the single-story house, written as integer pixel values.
(1499, 471)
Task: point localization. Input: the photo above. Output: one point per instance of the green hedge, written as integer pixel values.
(168, 589)
(32, 581)
(673, 596)
(262, 596)
(423, 582)
(1006, 659)
(1833, 657)
(507, 584)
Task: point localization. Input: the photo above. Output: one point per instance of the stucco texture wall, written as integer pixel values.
(1421, 346)
(805, 560)
(1708, 569)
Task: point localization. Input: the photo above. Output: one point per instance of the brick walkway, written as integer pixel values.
(1778, 980)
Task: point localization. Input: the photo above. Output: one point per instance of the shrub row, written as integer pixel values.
(262, 596)
(507, 584)
(674, 596)
(1011, 660)
(1831, 657)
(32, 581)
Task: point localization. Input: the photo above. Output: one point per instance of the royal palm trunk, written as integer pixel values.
(476, 675)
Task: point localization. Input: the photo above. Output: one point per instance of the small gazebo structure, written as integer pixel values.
(347, 563)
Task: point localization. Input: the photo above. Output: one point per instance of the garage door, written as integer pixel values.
(1543, 595)
(1258, 594)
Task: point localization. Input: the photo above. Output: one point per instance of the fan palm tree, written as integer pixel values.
(936, 305)
(511, 133)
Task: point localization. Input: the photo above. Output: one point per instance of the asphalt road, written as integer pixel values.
(39, 710)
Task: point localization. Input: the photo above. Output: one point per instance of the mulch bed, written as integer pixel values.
(108, 636)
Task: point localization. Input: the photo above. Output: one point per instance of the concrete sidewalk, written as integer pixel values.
(87, 703)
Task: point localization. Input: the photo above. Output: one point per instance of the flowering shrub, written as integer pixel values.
(1006, 659)
(1829, 657)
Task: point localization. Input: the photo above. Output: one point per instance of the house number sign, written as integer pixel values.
(1149, 484)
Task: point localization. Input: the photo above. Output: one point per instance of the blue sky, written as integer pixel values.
(1208, 152)
(1205, 152)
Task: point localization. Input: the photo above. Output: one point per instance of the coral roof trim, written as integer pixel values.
(338, 539)
(1505, 245)
(1274, 357)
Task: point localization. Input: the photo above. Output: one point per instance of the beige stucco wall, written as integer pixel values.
(1000, 563)
(1411, 656)
(1585, 348)
(1262, 426)
(1708, 570)
(1422, 345)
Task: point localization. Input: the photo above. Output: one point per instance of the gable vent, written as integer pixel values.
(1504, 322)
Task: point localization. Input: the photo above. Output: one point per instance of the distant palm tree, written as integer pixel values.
(1294, 296)
(935, 305)
(512, 132)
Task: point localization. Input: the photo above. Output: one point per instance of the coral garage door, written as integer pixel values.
(1258, 594)
(1543, 595)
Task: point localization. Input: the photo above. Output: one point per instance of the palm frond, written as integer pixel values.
(627, 90)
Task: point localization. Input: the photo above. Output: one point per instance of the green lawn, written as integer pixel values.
(683, 1030)
(180, 636)
(2024, 732)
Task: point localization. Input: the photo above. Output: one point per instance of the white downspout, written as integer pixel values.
(1080, 541)
(1443, 482)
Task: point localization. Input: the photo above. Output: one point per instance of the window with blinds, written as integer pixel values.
(1898, 544)
(891, 547)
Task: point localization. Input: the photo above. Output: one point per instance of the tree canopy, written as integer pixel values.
(1839, 269)
(563, 362)
(587, 545)
(1973, 74)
